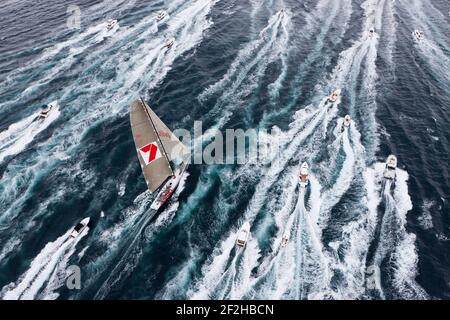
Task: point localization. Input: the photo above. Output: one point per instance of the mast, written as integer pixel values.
(157, 135)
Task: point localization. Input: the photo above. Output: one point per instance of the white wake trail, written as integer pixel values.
(136, 224)
(243, 76)
(396, 245)
(304, 254)
(20, 134)
(52, 260)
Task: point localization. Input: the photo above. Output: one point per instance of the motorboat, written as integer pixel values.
(243, 234)
(47, 109)
(391, 165)
(285, 239)
(346, 122)
(160, 153)
(169, 43)
(371, 32)
(161, 14)
(80, 227)
(419, 35)
(334, 96)
(304, 175)
(110, 24)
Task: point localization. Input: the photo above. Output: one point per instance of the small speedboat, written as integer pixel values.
(371, 32)
(419, 35)
(47, 109)
(242, 236)
(80, 227)
(391, 165)
(169, 43)
(304, 175)
(346, 122)
(161, 14)
(111, 23)
(334, 96)
(285, 239)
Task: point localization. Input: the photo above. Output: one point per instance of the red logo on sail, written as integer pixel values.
(150, 153)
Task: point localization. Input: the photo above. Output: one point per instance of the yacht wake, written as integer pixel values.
(130, 251)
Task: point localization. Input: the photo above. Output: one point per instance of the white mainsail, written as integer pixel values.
(156, 144)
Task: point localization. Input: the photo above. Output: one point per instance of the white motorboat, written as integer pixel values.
(285, 239)
(243, 234)
(335, 95)
(419, 35)
(47, 109)
(110, 24)
(304, 175)
(169, 43)
(371, 32)
(161, 14)
(80, 227)
(346, 122)
(391, 166)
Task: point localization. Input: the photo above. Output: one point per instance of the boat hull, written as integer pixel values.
(169, 188)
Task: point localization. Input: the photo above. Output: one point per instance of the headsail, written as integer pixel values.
(150, 148)
(173, 146)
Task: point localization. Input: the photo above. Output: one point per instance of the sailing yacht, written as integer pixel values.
(161, 154)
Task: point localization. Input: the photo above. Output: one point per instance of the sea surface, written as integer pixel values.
(236, 64)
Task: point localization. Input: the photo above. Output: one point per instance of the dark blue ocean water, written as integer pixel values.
(235, 65)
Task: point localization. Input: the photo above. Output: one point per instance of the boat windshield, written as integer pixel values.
(79, 227)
